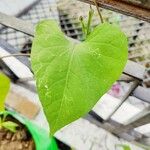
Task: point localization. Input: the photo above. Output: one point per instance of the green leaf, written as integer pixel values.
(125, 147)
(71, 77)
(10, 125)
(4, 88)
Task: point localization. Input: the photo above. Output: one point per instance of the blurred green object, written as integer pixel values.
(124, 146)
(4, 88)
(40, 135)
(53, 144)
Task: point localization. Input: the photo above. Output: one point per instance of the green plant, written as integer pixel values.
(9, 125)
(4, 87)
(124, 146)
(70, 76)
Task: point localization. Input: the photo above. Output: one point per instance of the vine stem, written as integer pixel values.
(11, 55)
(91, 13)
(101, 18)
(83, 25)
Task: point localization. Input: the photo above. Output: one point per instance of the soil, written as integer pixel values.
(20, 140)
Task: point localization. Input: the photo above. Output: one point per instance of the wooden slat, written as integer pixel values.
(23, 9)
(139, 116)
(17, 24)
(20, 70)
(141, 119)
(22, 104)
(142, 93)
(12, 50)
(126, 78)
(124, 8)
(145, 141)
(109, 127)
(112, 128)
(135, 70)
(141, 3)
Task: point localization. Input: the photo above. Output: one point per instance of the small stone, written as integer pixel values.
(26, 145)
(9, 135)
(20, 146)
(23, 135)
(18, 136)
(13, 137)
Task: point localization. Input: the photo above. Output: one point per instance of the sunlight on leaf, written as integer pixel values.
(4, 88)
(71, 77)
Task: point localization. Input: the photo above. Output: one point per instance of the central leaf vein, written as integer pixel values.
(66, 82)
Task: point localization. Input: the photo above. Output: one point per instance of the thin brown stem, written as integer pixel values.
(11, 55)
(101, 18)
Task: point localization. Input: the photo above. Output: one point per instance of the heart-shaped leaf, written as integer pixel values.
(71, 77)
(4, 87)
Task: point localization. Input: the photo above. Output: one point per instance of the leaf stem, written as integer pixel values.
(91, 12)
(11, 55)
(101, 18)
(5, 114)
(83, 25)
